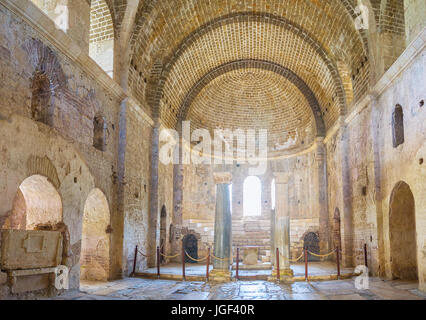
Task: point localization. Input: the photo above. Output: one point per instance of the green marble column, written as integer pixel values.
(222, 230)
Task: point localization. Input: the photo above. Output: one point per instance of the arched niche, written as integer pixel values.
(402, 233)
(95, 246)
(36, 204)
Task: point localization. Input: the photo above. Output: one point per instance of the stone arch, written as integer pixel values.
(43, 166)
(265, 65)
(95, 246)
(169, 62)
(44, 60)
(101, 44)
(37, 204)
(47, 83)
(402, 233)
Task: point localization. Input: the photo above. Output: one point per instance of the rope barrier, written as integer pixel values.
(196, 260)
(295, 260)
(147, 256)
(321, 255)
(220, 259)
(151, 255)
(169, 257)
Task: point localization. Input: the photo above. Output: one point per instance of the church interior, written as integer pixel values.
(108, 181)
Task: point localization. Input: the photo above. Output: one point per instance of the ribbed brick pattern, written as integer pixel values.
(262, 100)
(101, 25)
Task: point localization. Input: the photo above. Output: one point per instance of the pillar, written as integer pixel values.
(282, 225)
(324, 234)
(222, 229)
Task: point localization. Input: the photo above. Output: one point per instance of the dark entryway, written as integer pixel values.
(190, 244)
(311, 242)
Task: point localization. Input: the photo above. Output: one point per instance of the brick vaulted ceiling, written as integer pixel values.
(178, 46)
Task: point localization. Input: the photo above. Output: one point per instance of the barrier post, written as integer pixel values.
(365, 255)
(238, 262)
(134, 261)
(338, 262)
(158, 262)
(183, 263)
(306, 264)
(208, 264)
(278, 264)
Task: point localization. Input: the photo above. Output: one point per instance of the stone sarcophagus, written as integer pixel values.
(25, 249)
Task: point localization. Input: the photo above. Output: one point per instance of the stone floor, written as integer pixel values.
(315, 269)
(145, 289)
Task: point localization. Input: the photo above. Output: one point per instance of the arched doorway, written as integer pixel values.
(163, 233)
(311, 243)
(337, 238)
(402, 229)
(95, 245)
(190, 244)
(37, 204)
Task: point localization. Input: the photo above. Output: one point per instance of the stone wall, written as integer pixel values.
(365, 165)
(67, 140)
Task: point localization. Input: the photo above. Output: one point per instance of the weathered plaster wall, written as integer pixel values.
(54, 158)
(137, 188)
(77, 98)
(375, 166)
(403, 163)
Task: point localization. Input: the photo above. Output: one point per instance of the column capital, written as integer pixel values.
(281, 177)
(222, 177)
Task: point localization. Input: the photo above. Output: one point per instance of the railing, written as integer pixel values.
(210, 255)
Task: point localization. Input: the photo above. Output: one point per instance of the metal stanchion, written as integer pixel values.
(338, 262)
(134, 261)
(365, 255)
(183, 263)
(158, 262)
(238, 263)
(208, 264)
(306, 264)
(278, 264)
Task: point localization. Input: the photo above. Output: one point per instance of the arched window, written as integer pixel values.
(99, 132)
(398, 126)
(252, 197)
(101, 47)
(273, 194)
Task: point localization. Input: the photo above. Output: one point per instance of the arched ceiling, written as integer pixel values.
(246, 40)
(255, 98)
(176, 44)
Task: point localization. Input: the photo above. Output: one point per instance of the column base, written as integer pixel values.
(217, 275)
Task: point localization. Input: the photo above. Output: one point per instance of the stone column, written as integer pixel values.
(222, 229)
(321, 165)
(282, 225)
